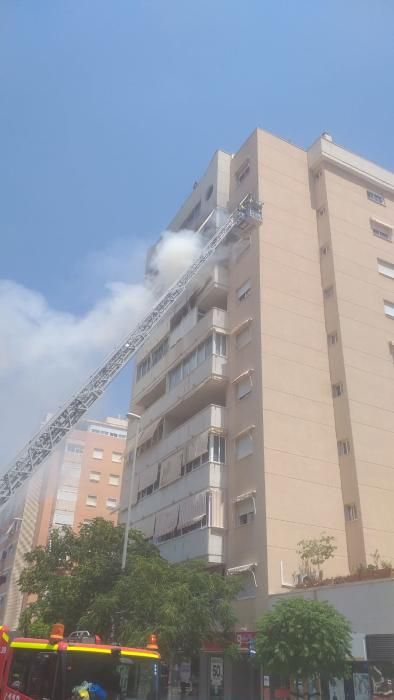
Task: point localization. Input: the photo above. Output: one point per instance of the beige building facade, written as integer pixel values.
(81, 481)
(267, 395)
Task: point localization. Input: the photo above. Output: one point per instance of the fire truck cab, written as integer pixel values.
(60, 669)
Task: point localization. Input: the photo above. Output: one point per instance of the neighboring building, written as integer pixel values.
(80, 482)
(267, 394)
(368, 605)
(90, 473)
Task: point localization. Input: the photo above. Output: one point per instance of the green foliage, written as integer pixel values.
(78, 581)
(182, 603)
(70, 571)
(39, 629)
(315, 552)
(304, 639)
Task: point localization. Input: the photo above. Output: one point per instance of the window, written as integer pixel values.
(385, 268)
(375, 197)
(98, 454)
(343, 447)
(243, 338)
(67, 495)
(337, 390)
(113, 432)
(117, 457)
(114, 480)
(322, 211)
(382, 231)
(91, 501)
(217, 448)
(95, 476)
(216, 452)
(389, 309)
(248, 589)
(152, 475)
(244, 291)
(182, 313)
(332, 338)
(74, 447)
(351, 512)
(324, 250)
(242, 172)
(33, 673)
(244, 387)
(143, 367)
(221, 344)
(63, 518)
(194, 214)
(244, 446)
(111, 503)
(209, 192)
(152, 358)
(246, 518)
(328, 292)
(159, 351)
(195, 358)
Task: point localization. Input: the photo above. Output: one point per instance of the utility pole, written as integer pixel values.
(131, 488)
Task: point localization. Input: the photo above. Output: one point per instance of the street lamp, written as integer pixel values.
(131, 488)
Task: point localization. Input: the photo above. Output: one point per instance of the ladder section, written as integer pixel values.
(40, 447)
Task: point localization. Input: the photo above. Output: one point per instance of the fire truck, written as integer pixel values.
(75, 669)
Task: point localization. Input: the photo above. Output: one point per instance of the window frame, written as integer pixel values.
(337, 390)
(244, 290)
(344, 447)
(388, 308)
(376, 198)
(351, 512)
(385, 264)
(96, 450)
(94, 480)
(332, 338)
(93, 498)
(247, 437)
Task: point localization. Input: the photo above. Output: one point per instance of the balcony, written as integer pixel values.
(215, 292)
(184, 337)
(207, 544)
(205, 385)
(209, 475)
(211, 416)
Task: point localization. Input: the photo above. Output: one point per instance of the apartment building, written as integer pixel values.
(266, 397)
(80, 481)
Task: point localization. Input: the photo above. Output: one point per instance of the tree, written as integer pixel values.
(315, 552)
(183, 603)
(78, 580)
(304, 639)
(74, 567)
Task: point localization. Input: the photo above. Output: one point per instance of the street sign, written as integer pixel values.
(216, 671)
(244, 639)
(252, 647)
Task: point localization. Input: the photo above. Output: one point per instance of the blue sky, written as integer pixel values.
(110, 109)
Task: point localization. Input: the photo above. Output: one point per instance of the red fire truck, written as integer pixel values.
(56, 668)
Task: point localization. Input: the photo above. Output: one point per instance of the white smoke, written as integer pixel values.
(45, 354)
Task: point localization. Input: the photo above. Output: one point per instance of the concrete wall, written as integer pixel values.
(368, 605)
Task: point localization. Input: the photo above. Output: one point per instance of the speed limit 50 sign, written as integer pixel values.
(216, 670)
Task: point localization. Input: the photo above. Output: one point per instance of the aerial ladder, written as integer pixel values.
(248, 213)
